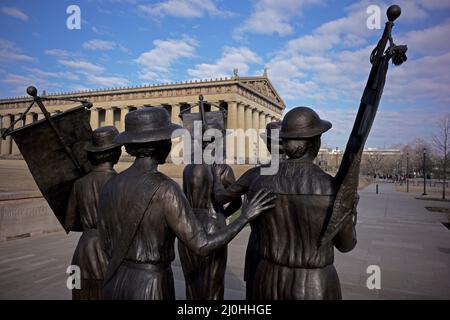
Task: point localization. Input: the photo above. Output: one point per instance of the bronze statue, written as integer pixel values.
(292, 264)
(82, 213)
(239, 188)
(205, 275)
(143, 211)
(314, 211)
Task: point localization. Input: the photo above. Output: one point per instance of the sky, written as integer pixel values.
(316, 53)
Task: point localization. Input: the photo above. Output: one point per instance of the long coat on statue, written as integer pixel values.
(205, 276)
(293, 266)
(82, 215)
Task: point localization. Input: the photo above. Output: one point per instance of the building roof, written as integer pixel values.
(258, 85)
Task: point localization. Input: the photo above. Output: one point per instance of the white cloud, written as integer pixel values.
(231, 58)
(105, 81)
(429, 41)
(52, 74)
(20, 83)
(314, 67)
(81, 65)
(58, 53)
(9, 52)
(328, 69)
(14, 12)
(101, 45)
(182, 9)
(157, 62)
(273, 17)
(92, 73)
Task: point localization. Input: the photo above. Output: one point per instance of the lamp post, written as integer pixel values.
(337, 159)
(407, 172)
(424, 173)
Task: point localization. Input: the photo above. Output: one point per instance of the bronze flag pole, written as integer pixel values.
(347, 176)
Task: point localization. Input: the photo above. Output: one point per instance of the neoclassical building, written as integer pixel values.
(251, 102)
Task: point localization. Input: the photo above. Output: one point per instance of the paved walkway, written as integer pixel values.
(395, 232)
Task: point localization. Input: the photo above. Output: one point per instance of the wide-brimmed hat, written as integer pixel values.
(147, 125)
(303, 122)
(270, 126)
(103, 139)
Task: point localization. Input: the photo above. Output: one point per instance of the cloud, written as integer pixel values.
(429, 41)
(21, 82)
(183, 9)
(81, 65)
(231, 58)
(58, 53)
(101, 45)
(156, 63)
(386, 130)
(320, 67)
(14, 12)
(93, 73)
(272, 17)
(52, 74)
(9, 52)
(105, 81)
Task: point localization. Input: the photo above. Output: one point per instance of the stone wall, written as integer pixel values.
(26, 217)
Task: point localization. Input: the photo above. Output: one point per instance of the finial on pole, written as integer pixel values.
(32, 91)
(393, 12)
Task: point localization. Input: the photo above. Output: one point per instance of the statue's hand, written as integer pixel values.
(259, 203)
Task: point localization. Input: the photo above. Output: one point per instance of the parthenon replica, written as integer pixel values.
(251, 102)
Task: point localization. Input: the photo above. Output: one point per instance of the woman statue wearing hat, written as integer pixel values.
(82, 212)
(293, 264)
(224, 194)
(143, 211)
(205, 275)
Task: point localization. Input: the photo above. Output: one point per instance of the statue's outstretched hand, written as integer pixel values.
(259, 203)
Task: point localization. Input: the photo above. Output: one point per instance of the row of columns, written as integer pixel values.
(240, 116)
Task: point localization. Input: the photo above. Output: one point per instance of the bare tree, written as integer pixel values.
(441, 142)
(375, 162)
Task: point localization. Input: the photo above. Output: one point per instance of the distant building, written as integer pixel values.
(251, 102)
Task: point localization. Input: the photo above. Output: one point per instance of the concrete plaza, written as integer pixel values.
(395, 232)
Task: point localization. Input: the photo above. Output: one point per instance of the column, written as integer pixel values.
(94, 118)
(175, 113)
(268, 119)
(6, 144)
(240, 140)
(255, 124)
(232, 120)
(29, 118)
(123, 113)
(255, 119)
(15, 149)
(262, 126)
(241, 116)
(262, 121)
(248, 125)
(109, 116)
(248, 117)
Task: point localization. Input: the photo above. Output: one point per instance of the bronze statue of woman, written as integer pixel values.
(205, 276)
(82, 213)
(143, 211)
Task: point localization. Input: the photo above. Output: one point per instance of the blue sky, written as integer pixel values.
(316, 53)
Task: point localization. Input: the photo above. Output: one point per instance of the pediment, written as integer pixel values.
(263, 87)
